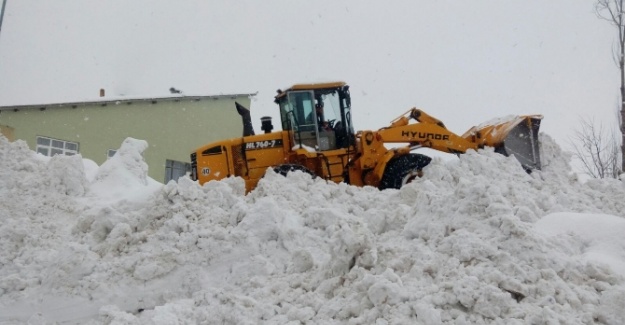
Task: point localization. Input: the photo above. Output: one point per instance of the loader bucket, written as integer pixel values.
(514, 136)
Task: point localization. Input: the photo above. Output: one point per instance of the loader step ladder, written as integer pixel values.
(333, 173)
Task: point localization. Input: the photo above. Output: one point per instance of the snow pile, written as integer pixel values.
(601, 238)
(125, 171)
(475, 241)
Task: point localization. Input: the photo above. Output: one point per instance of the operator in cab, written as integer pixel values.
(322, 124)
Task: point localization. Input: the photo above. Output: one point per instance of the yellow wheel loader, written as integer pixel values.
(318, 138)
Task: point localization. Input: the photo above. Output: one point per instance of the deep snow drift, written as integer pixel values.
(475, 241)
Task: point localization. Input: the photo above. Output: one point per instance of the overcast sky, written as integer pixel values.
(463, 62)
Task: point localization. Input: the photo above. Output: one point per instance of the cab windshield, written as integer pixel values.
(307, 110)
(316, 117)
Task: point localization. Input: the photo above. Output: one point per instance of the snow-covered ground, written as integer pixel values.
(475, 241)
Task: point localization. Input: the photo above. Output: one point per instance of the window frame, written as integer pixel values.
(50, 147)
(173, 169)
(108, 153)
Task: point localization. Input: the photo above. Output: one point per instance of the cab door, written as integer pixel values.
(304, 119)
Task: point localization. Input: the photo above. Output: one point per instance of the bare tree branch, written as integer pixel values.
(597, 150)
(612, 11)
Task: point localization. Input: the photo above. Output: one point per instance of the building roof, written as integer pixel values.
(125, 100)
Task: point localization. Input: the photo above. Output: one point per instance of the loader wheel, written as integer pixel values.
(402, 170)
(286, 168)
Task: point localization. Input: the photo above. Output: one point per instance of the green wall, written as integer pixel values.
(173, 128)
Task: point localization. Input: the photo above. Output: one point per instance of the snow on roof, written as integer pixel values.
(128, 100)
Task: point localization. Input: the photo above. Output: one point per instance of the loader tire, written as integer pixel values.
(287, 168)
(402, 170)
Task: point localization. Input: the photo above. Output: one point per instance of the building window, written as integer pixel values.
(50, 147)
(175, 169)
(110, 153)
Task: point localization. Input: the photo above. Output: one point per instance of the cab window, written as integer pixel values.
(297, 111)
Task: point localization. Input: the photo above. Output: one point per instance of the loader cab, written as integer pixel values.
(318, 115)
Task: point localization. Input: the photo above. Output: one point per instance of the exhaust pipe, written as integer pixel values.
(266, 124)
(248, 128)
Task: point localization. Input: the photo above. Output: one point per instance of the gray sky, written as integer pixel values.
(463, 62)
